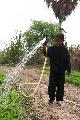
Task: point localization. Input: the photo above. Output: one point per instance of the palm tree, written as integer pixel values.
(62, 8)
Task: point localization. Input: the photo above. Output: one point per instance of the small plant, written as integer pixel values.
(2, 76)
(14, 106)
(74, 78)
(10, 108)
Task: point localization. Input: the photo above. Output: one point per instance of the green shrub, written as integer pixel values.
(74, 77)
(14, 106)
(10, 108)
(2, 76)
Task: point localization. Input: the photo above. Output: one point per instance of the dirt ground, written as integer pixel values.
(70, 107)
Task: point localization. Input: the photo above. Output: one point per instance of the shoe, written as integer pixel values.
(50, 102)
(58, 103)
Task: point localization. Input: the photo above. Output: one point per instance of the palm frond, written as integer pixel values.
(62, 8)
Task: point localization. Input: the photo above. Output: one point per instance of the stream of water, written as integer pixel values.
(11, 77)
(15, 72)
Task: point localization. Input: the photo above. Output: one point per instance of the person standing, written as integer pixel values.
(59, 59)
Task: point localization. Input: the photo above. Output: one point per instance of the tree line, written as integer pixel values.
(22, 43)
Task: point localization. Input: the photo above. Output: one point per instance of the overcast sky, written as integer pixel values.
(17, 15)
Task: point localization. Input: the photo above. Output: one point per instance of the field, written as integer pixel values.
(15, 106)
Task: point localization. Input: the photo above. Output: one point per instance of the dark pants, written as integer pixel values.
(56, 86)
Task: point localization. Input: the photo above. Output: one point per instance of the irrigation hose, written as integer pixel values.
(38, 83)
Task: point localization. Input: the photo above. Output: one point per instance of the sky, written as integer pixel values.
(17, 15)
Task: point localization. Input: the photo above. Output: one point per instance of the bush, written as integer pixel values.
(14, 106)
(2, 76)
(74, 78)
(10, 108)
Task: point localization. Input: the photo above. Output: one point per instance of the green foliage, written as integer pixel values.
(15, 51)
(10, 108)
(2, 76)
(74, 78)
(14, 106)
(38, 30)
(3, 57)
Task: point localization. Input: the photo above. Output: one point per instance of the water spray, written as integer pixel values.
(11, 76)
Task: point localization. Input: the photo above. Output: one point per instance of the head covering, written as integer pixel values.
(61, 36)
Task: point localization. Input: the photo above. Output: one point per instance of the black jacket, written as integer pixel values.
(59, 58)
